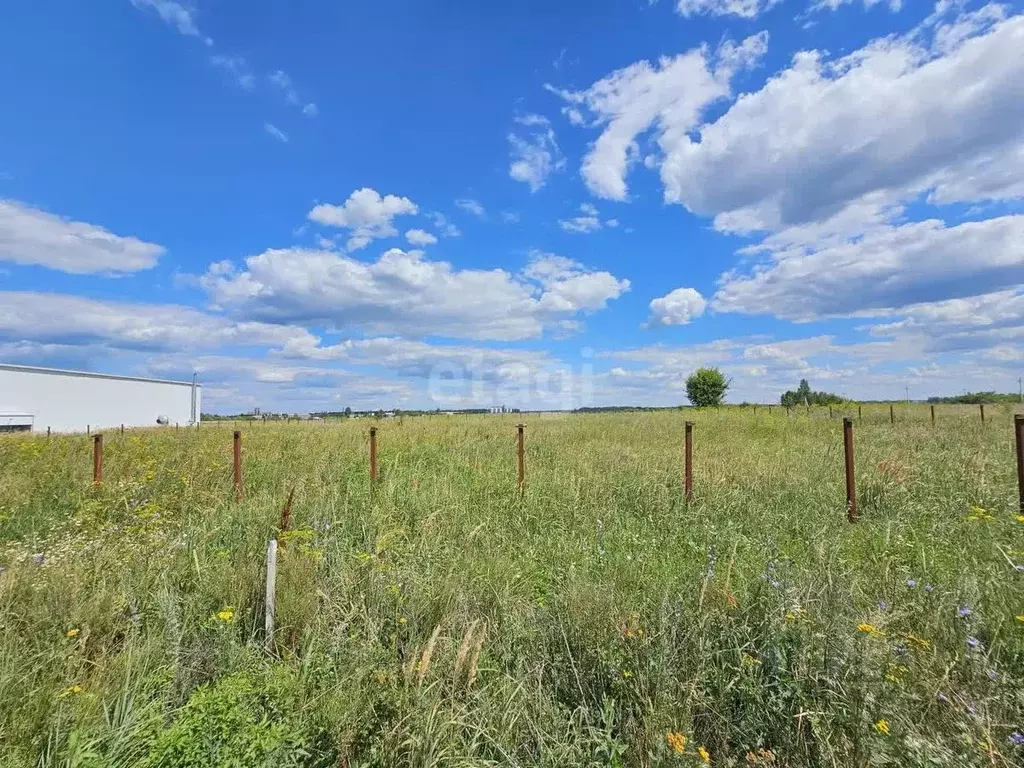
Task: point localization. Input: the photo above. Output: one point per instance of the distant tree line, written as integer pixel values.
(976, 398)
(803, 395)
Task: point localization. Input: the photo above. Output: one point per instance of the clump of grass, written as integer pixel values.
(445, 618)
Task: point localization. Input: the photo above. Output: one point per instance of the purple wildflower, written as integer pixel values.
(964, 612)
(911, 584)
(38, 558)
(993, 675)
(942, 698)
(928, 588)
(883, 606)
(973, 642)
(1017, 739)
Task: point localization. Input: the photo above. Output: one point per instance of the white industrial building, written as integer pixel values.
(38, 399)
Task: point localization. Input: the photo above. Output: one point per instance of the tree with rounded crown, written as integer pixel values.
(706, 387)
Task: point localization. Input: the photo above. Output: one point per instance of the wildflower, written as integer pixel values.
(870, 629)
(942, 698)
(1020, 518)
(403, 620)
(973, 642)
(1020, 619)
(928, 588)
(883, 606)
(1017, 739)
(226, 614)
(704, 754)
(38, 558)
(1019, 568)
(911, 584)
(993, 675)
(73, 632)
(919, 642)
(964, 612)
(882, 726)
(69, 691)
(676, 741)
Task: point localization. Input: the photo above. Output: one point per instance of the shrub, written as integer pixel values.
(706, 387)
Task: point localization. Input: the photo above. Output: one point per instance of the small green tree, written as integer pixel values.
(706, 387)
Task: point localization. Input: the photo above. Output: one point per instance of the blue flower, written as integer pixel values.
(928, 588)
(883, 606)
(964, 612)
(942, 698)
(973, 642)
(1017, 739)
(911, 584)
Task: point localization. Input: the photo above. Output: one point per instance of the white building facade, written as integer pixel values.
(37, 399)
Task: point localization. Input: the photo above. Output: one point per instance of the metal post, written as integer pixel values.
(982, 406)
(688, 473)
(270, 597)
(892, 415)
(88, 429)
(237, 451)
(860, 412)
(47, 431)
(851, 494)
(933, 415)
(373, 454)
(521, 455)
(1018, 423)
(830, 411)
(97, 459)
(122, 429)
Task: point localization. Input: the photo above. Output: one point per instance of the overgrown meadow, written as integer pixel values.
(443, 618)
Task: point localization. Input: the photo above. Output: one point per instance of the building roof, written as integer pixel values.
(89, 375)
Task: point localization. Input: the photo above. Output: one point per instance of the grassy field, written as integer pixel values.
(595, 620)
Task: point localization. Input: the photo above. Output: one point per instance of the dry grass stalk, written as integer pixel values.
(428, 653)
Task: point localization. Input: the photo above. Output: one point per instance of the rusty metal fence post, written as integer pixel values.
(688, 465)
(1018, 424)
(237, 455)
(892, 415)
(851, 492)
(373, 455)
(97, 459)
(933, 415)
(860, 413)
(521, 455)
(982, 407)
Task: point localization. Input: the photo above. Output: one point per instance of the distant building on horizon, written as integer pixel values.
(36, 399)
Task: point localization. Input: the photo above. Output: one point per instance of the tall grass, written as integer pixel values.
(444, 619)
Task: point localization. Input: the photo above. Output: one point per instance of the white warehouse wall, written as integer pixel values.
(71, 401)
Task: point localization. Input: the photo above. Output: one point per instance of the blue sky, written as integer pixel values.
(450, 204)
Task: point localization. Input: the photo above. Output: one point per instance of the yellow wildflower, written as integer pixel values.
(1020, 518)
(676, 741)
(704, 754)
(69, 691)
(226, 615)
(866, 627)
(73, 632)
(1020, 619)
(882, 726)
(918, 642)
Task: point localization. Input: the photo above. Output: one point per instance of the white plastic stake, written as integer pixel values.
(271, 589)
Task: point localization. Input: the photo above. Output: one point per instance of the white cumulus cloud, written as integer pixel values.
(366, 214)
(676, 308)
(31, 236)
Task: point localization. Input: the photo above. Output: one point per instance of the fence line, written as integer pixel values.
(853, 513)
